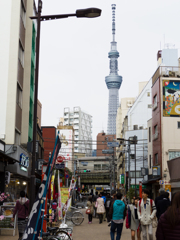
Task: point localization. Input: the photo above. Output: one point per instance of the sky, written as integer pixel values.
(74, 53)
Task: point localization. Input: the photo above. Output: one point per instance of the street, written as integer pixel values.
(87, 231)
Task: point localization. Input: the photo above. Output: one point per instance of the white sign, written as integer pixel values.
(66, 137)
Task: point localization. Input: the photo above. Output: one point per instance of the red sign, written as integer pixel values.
(140, 189)
(59, 159)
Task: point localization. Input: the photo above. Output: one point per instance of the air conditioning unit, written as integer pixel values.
(135, 127)
(141, 127)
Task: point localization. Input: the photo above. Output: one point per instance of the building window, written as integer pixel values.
(138, 174)
(149, 134)
(17, 137)
(105, 166)
(178, 125)
(97, 166)
(148, 94)
(23, 13)
(19, 96)
(155, 132)
(21, 54)
(174, 155)
(155, 102)
(149, 161)
(156, 158)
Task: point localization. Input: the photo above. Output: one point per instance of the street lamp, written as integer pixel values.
(87, 13)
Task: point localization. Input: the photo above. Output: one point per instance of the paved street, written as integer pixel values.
(86, 231)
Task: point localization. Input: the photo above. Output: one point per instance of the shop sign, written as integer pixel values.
(122, 179)
(24, 162)
(137, 186)
(155, 171)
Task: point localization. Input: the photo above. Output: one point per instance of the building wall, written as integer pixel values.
(49, 136)
(141, 110)
(102, 140)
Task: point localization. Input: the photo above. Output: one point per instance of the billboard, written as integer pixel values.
(66, 137)
(171, 98)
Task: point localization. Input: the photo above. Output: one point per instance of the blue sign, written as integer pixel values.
(60, 166)
(24, 160)
(113, 144)
(67, 176)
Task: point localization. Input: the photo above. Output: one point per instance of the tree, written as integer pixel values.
(131, 193)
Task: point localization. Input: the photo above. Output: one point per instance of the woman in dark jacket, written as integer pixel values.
(169, 222)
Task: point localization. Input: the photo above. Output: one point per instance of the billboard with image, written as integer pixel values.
(66, 137)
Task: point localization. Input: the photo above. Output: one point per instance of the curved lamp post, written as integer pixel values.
(80, 13)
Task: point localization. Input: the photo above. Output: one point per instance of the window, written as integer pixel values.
(149, 161)
(105, 166)
(17, 137)
(155, 132)
(149, 134)
(156, 158)
(23, 13)
(97, 166)
(174, 155)
(21, 54)
(149, 105)
(19, 96)
(155, 102)
(178, 125)
(148, 94)
(138, 174)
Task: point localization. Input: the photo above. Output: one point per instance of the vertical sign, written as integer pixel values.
(168, 189)
(140, 189)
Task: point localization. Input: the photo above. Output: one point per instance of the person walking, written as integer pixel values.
(111, 203)
(100, 207)
(94, 200)
(169, 223)
(116, 213)
(104, 198)
(90, 205)
(160, 197)
(107, 206)
(146, 213)
(163, 205)
(134, 223)
(22, 210)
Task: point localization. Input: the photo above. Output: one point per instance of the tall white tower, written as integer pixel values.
(113, 81)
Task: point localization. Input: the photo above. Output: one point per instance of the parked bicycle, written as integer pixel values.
(75, 215)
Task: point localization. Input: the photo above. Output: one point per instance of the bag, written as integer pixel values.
(96, 204)
(127, 221)
(88, 211)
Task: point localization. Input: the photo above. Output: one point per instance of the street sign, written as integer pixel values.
(59, 159)
(107, 151)
(67, 176)
(113, 144)
(60, 166)
(121, 179)
(161, 182)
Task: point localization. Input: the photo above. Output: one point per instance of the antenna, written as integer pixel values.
(113, 21)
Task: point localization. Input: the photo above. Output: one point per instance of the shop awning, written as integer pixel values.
(7, 159)
(152, 180)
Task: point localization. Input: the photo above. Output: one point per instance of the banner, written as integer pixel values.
(59, 200)
(52, 191)
(35, 217)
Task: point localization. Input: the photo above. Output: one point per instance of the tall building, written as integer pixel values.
(113, 81)
(17, 69)
(82, 124)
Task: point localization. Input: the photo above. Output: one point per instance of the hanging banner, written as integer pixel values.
(51, 213)
(35, 217)
(59, 199)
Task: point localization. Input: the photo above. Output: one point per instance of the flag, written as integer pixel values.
(59, 199)
(35, 219)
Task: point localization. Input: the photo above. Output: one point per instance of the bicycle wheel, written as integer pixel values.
(68, 215)
(62, 235)
(77, 218)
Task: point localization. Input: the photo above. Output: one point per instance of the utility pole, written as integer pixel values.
(129, 150)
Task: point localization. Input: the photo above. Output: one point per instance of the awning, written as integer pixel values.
(7, 159)
(152, 180)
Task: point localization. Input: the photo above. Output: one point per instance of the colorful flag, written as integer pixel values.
(35, 217)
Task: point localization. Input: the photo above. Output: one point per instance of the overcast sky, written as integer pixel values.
(74, 53)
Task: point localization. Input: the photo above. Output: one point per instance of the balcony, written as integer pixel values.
(66, 116)
(76, 121)
(76, 127)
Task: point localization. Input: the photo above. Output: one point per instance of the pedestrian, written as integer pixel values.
(94, 200)
(134, 223)
(90, 205)
(100, 207)
(107, 206)
(169, 223)
(146, 213)
(111, 202)
(104, 198)
(22, 210)
(163, 205)
(160, 197)
(116, 213)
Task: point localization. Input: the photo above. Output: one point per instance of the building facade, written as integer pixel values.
(82, 124)
(113, 81)
(17, 88)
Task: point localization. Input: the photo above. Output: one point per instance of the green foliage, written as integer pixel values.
(131, 193)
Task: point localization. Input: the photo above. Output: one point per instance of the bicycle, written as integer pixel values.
(75, 216)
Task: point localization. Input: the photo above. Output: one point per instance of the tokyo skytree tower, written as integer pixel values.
(113, 81)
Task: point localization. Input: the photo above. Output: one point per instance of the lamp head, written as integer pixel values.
(88, 12)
